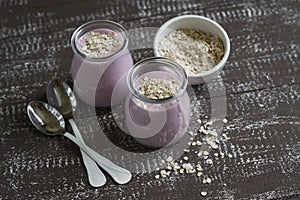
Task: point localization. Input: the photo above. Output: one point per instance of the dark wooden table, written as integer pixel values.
(261, 80)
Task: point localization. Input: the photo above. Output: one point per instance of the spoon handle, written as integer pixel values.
(76, 131)
(95, 175)
(119, 174)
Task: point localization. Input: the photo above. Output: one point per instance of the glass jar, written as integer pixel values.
(157, 122)
(95, 76)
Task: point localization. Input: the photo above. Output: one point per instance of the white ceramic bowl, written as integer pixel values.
(203, 24)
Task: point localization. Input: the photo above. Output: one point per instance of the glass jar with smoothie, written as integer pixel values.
(100, 60)
(157, 111)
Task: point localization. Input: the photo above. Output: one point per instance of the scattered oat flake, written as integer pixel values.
(209, 161)
(201, 130)
(229, 155)
(164, 173)
(186, 150)
(168, 167)
(203, 193)
(169, 159)
(199, 168)
(208, 180)
(225, 121)
(188, 168)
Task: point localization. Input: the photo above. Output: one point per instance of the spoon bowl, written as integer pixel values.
(61, 97)
(46, 118)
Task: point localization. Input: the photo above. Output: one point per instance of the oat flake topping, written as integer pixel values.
(98, 44)
(156, 88)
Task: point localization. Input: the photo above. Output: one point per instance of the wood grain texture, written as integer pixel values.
(261, 78)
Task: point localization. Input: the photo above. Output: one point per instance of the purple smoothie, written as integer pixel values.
(96, 77)
(159, 124)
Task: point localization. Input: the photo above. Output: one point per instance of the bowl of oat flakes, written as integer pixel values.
(200, 45)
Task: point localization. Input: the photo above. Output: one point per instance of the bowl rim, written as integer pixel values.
(224, 59)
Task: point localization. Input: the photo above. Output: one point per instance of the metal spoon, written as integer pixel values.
(50, 122)
(61, 97)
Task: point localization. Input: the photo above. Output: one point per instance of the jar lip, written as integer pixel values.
(162, 60)
(101, 23)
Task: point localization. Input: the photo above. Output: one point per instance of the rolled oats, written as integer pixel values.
(156, 88)
(195, 50)
(99, 44)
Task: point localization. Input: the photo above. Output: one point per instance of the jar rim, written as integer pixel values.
(161, 60)
(98, 24)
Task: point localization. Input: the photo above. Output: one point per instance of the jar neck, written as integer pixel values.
(99, 25)
(158, 66)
